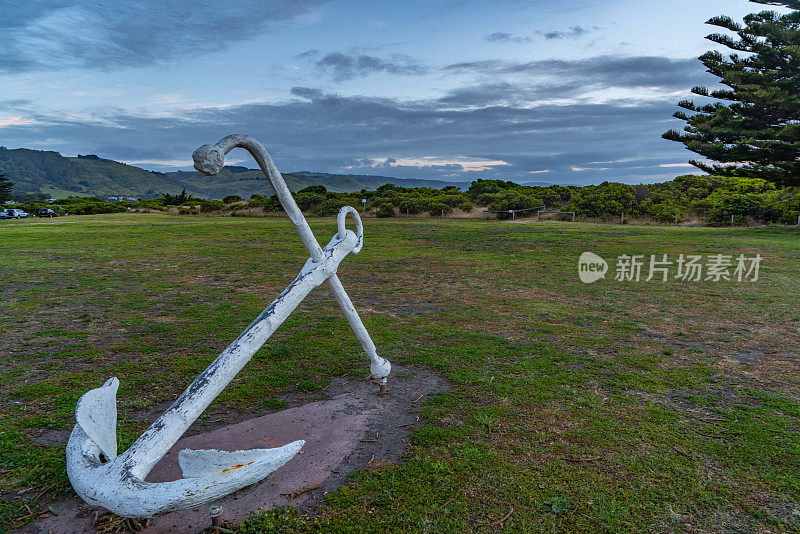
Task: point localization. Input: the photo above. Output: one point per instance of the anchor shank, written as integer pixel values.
(156, 441)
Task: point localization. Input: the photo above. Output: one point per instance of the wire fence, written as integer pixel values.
(556, 212)
(541, 210)
(512, 212)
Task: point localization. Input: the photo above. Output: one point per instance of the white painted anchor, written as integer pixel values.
(117, 482)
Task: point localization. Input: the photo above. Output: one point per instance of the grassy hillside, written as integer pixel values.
(244, 182)
(48, 172)
(51, 173)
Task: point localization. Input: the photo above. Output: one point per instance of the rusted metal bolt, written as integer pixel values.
(216, 515)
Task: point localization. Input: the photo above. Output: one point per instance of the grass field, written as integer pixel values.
(617, 406)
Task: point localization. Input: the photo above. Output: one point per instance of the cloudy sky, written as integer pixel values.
(569, 92)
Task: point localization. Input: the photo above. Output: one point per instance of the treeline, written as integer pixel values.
(713, 199)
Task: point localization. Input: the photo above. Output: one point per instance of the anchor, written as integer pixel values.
(117, 482)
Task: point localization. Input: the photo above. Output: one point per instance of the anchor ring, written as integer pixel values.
(340, 223)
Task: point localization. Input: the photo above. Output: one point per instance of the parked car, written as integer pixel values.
(46, 212)
(4, 215)
(14, 213)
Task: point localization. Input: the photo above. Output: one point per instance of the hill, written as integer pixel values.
(48, 172)
(245, 182)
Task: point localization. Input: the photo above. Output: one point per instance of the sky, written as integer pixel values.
(568, 92)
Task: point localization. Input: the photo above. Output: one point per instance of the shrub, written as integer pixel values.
(314, 190)
(664, 213)
(308, 201)
(606, 199)
(438, 208)
(328, 207)
(466, 207)
(385, 210)
(411, 206)
(723, 205)
(230, 199)
(212, 205)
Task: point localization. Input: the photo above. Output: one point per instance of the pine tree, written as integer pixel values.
(753, 127)
(5, 187)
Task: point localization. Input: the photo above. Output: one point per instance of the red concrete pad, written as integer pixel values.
(332, 430)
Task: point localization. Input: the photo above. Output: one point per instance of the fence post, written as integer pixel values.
(622, 219)
(676, 219)
(731, 220)
(573, 216)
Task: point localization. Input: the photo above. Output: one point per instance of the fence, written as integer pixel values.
(512, 212)
(550, 212)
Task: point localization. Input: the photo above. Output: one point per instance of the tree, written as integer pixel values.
(5, 187)
(753, 127)
(177, 200)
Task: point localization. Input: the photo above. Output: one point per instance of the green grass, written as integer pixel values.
(616, 407)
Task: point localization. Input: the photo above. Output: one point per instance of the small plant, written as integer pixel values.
(558, 505)
(487, 422)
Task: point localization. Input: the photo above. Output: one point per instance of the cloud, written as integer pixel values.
(346, 67)
(605, 71)
(17, 104)
(108, 34)
(307, 93)
(429, 138)
(459, 163)
(574, 32)
(575, 168)
(502, 37)
(16, 121)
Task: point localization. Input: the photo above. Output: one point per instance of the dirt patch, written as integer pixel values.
(748, 356)
(393, 419)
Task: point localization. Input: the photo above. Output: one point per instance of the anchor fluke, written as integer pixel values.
(209, 462)
(96, 414)
(101, 477)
